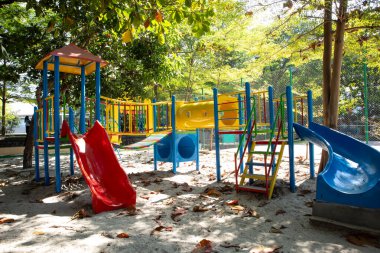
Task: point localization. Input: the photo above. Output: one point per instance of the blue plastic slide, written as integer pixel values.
(352, 173)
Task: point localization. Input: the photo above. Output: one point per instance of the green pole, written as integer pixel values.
(290, 76)
(365, 100)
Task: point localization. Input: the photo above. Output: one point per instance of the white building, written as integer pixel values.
(21, 110)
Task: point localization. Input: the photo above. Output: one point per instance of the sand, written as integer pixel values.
(175, 212)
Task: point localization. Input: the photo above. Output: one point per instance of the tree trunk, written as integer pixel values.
(28, 150)
(327, 52)
(3, 101)
(337, 65)
(331, 81)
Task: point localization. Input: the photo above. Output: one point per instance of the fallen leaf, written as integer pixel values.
(198, 208)
(211, 177)
(82, 213)
(131, 211)
(38, 232)
(168, 201)
(213, 192)
(238, 208)
(144, 197)
(6, 220)
(160, 228)
(232, 202)
(265, 249)
(123, 235)
(203, 246)
(248, 212)
(280, 211)
(178, 212)
(363, 240)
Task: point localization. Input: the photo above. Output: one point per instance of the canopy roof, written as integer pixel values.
(71, 59)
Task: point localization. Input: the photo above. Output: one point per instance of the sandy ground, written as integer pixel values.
(175, 212)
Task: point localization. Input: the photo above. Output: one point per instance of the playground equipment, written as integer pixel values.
(348, 188)
(250, 115)
(172, 127)
(69, 59)
(109, 184)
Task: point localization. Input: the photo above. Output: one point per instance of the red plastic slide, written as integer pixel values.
(109, 184)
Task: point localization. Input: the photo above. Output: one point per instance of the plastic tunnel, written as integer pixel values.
(201, 114)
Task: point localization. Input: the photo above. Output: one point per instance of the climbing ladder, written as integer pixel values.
(271, 158)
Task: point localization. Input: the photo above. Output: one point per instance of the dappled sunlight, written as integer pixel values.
(174, 213)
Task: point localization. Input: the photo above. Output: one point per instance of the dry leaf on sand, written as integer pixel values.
(6, 220)
(203, 246)
(123, 235)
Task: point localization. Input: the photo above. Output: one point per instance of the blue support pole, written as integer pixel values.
(82, 124)
(289, 108)
(57, 125)
(71, 126)
(36, 153)
(45, 117)
(216, 134)
(241, 121)
(271, 118)
(154, 130)
(310, 119)
(174, 146)
(97, 91)
(197, 149)
(249, 122)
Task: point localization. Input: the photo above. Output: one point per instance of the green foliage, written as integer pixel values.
(11, 121)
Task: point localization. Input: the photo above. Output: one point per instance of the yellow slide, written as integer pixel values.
(194, 115)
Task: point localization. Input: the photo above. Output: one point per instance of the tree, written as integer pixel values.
(358, 21)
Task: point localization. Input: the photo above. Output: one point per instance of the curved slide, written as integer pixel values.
(352, 174)
(109, 184)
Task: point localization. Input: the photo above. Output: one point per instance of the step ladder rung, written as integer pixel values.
(257, 176)
(258, 164)
(255, 164)
(263, 131)
(252, 188)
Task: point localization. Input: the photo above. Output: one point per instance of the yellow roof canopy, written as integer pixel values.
(71, 59)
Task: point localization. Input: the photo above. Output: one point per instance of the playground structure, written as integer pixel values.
(172, 128)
